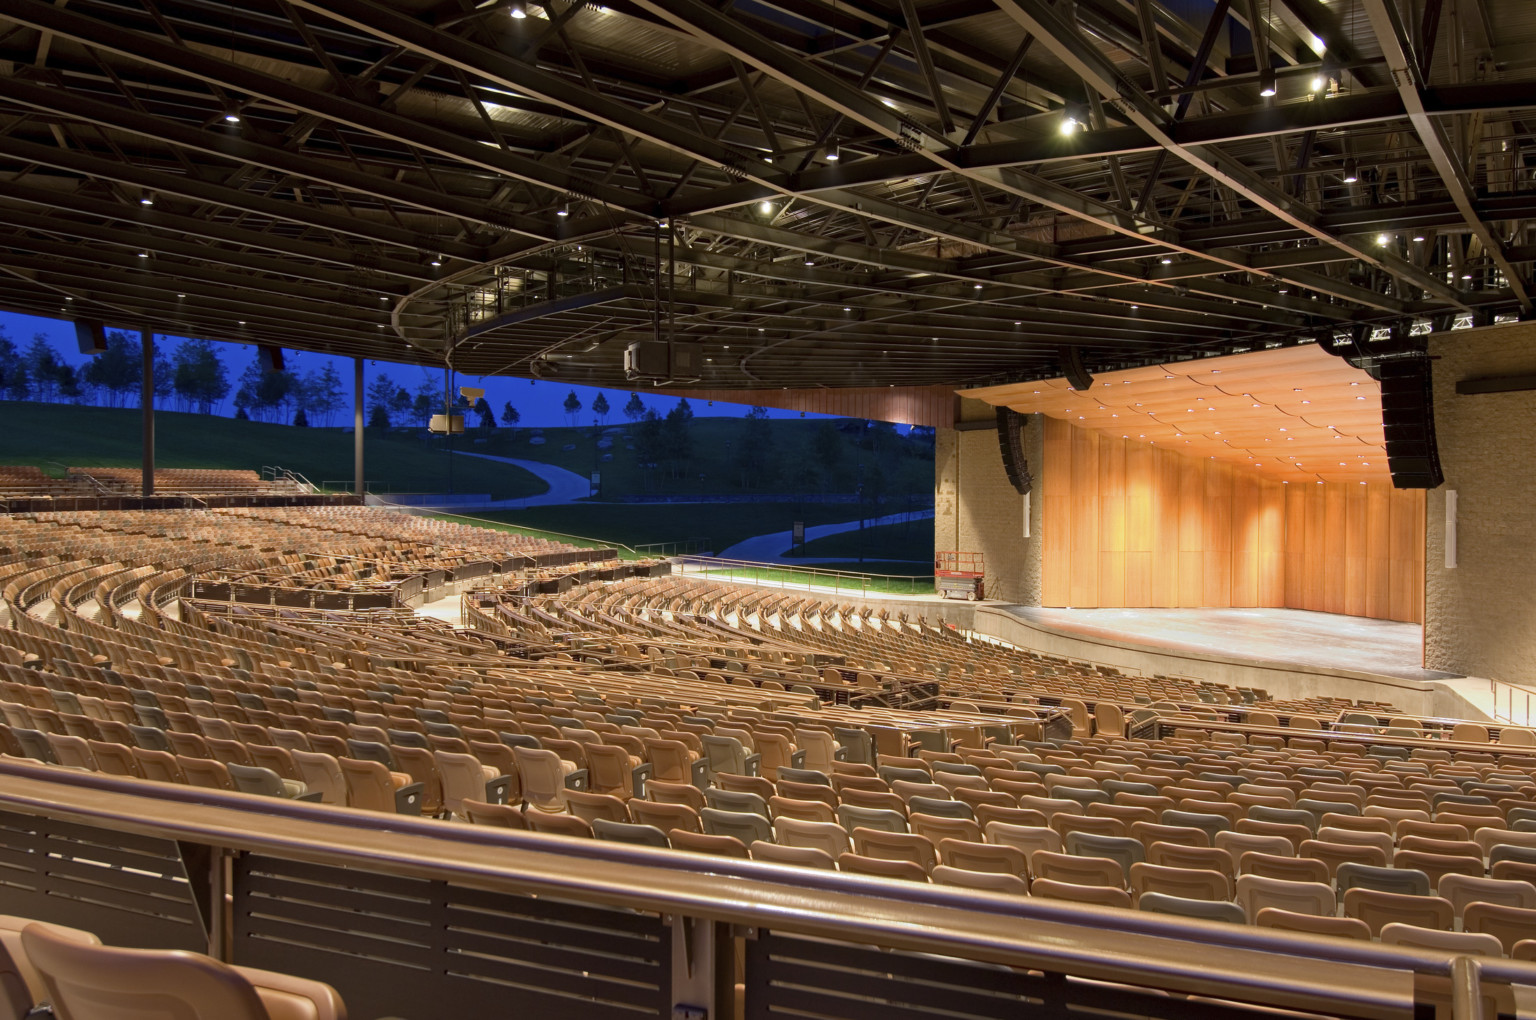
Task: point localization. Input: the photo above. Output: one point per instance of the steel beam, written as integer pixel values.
(1392, 34)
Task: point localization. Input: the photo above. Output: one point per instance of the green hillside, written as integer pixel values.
(50, 435)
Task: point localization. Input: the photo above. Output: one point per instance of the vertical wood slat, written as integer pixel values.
(1130, 524)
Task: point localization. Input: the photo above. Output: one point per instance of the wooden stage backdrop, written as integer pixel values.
(1128, 524)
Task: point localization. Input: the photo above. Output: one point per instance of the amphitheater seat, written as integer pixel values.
(1378, 909)
(80, 976)
(1207, 910)
(904, 870)
(989, 881)
(1474, 943)
(1312, 924)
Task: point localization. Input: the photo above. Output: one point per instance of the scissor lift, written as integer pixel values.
(959, 575)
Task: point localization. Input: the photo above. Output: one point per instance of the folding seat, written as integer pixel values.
(1187, 883)
(721, 846)
(1078, 870)
(205, 772)
(903, 870)
(228, 751)
(1336, 854)
(266, 783)
(747, 784)
(1099, 895)
(545, 778)
(805, 810)
(1378, 909)
(1184, 835)
(828, 837)
(321, 772)
(71, 751)
(1510, 925)
(79, 975)
(1464, 890)
(665, 817)
(622, 832)
(160, 766)
(807, 792)
(989, 881)
(745, 826)
(986, 814)
(853, 817)
(676, 793)
(1210, 823)
(935, 828)
(501, 816)
(372, 786)
(1255, 893)
(976, 856)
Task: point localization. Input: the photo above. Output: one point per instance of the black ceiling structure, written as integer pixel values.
(821, 192)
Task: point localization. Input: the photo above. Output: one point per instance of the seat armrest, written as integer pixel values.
(408, 799)
(797, 760)
(576, 780)
(699, 773)
(637, 779)
(312, 796)
(496, 790)
(754, 764)
(842, 753)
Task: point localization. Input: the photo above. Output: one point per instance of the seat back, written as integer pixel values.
(260, 781)
(107, 983)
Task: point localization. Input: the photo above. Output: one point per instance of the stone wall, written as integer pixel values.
(977, 510)
(1480, 617)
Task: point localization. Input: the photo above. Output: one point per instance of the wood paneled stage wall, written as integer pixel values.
(1131, 525)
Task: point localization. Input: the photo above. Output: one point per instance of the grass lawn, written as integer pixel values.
(48, 435)
(828, 576)
(912, 540)
(720, 524)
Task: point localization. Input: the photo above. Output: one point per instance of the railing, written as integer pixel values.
(1512, 702)
(430, 919)
(681, 547)
(776, 575)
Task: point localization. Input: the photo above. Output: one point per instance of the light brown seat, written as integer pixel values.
(1186, 883)
(1174, 855)
(990, 857)
(1077, 870)
(1379, 909)
(858, 864)
(894, 846)
(799, 856)
(1256, 892)
(666, 817)
(160, 766)
(550, 823)
(321, 772)
(1464, 890)
(828, 837)
(1313, 924)
(1104, 896)
(590, 806)
(500, 816)
(371, 786)
(465, 778)
(205, 772)
(21, 987)
(81, 978)
(990, 881)
(704, 843)
(1507, 924)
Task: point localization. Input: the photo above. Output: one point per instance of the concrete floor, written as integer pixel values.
(1277, 635)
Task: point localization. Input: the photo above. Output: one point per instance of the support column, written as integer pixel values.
(147, 408)
(357, 426)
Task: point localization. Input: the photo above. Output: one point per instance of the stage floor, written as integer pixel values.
(1275, 635)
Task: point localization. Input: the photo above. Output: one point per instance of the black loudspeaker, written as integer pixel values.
(1010, 442)
(1408, 418)
(1072, 367)
(271, 358)
(91, 335)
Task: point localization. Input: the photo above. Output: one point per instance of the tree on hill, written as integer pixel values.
(378, 397)
(427, 403)
(600, 408)
(635, 409)
(676, 442)
(13, 371)
(400, 405)
(42, 368)
(827, 451)
(164, 378)
(69, 384)
(754, 449)
(648, 440)
(509, 415)
(321, 396)
(198, 376)
(301, 419)
(487, 416)
(266, 396)
(572, 407)
(115, 371)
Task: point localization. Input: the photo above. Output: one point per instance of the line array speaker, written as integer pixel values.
(1071, 359)
(91, 335)
(1408, 419)
(270, 358)
(1010, 442)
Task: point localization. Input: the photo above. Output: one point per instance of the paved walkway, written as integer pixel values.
(771, 548)
(564, 486)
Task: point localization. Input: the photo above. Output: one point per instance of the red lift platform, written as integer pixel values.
(959, 575)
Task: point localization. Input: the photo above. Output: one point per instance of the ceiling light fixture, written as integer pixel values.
(517, 10)
(1267, 82)
(765, 207)
(1351, 171)
(834, 152)
(564, 208)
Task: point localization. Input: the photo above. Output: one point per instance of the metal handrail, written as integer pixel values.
(731, 566)
(1160, 951)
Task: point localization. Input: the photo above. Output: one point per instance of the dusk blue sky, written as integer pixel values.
(539, 405)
